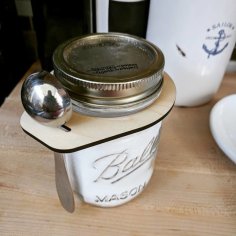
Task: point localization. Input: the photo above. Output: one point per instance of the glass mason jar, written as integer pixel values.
(120, 96)
(112, 75)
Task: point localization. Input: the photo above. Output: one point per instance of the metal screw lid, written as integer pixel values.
(109, 70)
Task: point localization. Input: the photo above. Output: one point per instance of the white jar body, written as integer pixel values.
(114, 172)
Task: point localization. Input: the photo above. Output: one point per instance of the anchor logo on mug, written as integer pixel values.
(220, 40)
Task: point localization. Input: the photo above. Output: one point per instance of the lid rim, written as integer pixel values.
(113, 101)
(115, 110)
(110, 86)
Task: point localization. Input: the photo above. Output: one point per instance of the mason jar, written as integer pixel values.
(120, 95)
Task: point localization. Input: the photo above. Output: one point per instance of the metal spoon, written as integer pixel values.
(46, 101)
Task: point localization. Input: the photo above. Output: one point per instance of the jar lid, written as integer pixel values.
(109, 74)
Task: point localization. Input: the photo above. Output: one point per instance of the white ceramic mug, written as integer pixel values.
(197, 39)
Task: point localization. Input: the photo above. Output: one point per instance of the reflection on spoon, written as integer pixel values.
(45, 100)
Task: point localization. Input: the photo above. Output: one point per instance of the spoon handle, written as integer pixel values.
(63, 185)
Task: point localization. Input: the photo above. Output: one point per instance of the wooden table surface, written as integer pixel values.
(192, 191)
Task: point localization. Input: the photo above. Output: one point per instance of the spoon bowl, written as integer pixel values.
(45, 100)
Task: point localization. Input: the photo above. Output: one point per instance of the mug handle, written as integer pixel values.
(102, 8)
